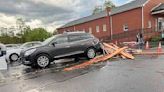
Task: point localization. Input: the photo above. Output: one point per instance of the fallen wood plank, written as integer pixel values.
(96, 60)
(127, 55)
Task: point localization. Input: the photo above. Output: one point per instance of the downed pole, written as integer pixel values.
(111, 52)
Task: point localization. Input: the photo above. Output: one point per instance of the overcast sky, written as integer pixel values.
(48, 14)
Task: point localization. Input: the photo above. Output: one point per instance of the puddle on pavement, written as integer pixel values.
(18, 71)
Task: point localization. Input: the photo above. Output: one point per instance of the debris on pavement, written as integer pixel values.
(111, 50)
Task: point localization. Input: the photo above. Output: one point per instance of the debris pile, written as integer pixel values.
(110, 50)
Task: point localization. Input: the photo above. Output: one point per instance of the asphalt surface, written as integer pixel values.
(144, 74)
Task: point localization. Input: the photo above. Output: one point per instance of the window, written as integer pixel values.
(149, 24)
(90, 30)
(97, 29)
(61, 40)
(85, 36)
(125, 27)
(73, 38)
(104, 28)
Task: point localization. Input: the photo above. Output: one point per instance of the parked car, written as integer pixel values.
(2, 50)
(11, 46)
(66, 45)
(14, 54)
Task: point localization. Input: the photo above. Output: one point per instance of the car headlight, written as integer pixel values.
(28, 52)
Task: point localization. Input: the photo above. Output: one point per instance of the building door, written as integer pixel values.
(161, 24)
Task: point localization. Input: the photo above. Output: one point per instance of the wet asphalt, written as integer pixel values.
(144, 74)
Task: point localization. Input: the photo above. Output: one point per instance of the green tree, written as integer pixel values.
(37, 34)
(108, 3)
(97, 9)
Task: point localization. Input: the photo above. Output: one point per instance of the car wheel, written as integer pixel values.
(43, 61)
(14, 57)
(90, 53)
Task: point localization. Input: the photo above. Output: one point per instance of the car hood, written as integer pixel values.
(34, 47)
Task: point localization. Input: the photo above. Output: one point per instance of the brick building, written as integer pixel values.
(122, 21)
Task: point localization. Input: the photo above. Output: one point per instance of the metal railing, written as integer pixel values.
(131, 35)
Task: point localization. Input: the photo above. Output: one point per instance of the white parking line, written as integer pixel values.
(33, 90)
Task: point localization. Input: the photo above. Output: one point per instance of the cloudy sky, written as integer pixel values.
(48, 14)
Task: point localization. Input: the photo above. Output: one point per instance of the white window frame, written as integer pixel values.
(104, 28)
(125, 27)
(149, 24)
(97, 29)
(83, 30)
(90, 29)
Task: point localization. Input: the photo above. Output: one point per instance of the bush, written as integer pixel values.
(156, 39)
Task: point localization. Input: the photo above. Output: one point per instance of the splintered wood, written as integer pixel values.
(110, 50)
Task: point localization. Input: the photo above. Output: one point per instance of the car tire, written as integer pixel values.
(14, 57)
(42, 61)
(90, 53)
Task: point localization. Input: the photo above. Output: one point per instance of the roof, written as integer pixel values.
(85, 19)
(132, 5)
(158, 8)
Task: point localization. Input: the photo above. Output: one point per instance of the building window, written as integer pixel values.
(90, 30)
(104, 28)
(125, 27)
(83, 30)
(97, 29)
(149, 24)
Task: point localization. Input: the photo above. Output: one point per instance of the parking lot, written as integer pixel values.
(144, 74)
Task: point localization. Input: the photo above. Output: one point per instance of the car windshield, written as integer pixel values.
(29, 44)
(47, 41)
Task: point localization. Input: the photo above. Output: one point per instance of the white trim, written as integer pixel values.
(145, 3)
(157, 12)
(97, 29)
(104, 27)
(111, 27)
(155, 7)
(74, 28)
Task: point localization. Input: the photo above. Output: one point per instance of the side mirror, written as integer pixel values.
(54, 44)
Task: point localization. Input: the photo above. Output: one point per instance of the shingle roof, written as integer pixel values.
(132, 5)
(160, 7)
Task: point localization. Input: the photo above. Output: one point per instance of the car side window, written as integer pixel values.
(61, 40)
(86, 36)
(28, 45)
(73, 38)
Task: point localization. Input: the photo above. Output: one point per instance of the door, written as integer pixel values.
(79, 43)
(75, 44)
(60, 47)
(161, 24)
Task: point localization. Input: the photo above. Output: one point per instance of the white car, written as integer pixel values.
(12, 46)
(2, 50)
(13, 54)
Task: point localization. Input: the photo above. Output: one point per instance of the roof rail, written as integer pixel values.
(74, 32)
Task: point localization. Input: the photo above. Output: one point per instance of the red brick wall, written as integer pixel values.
(131, 18)
(147, 12)
(85, 26)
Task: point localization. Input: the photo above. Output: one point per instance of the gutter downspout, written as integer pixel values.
(142, 18)
(111, 26)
